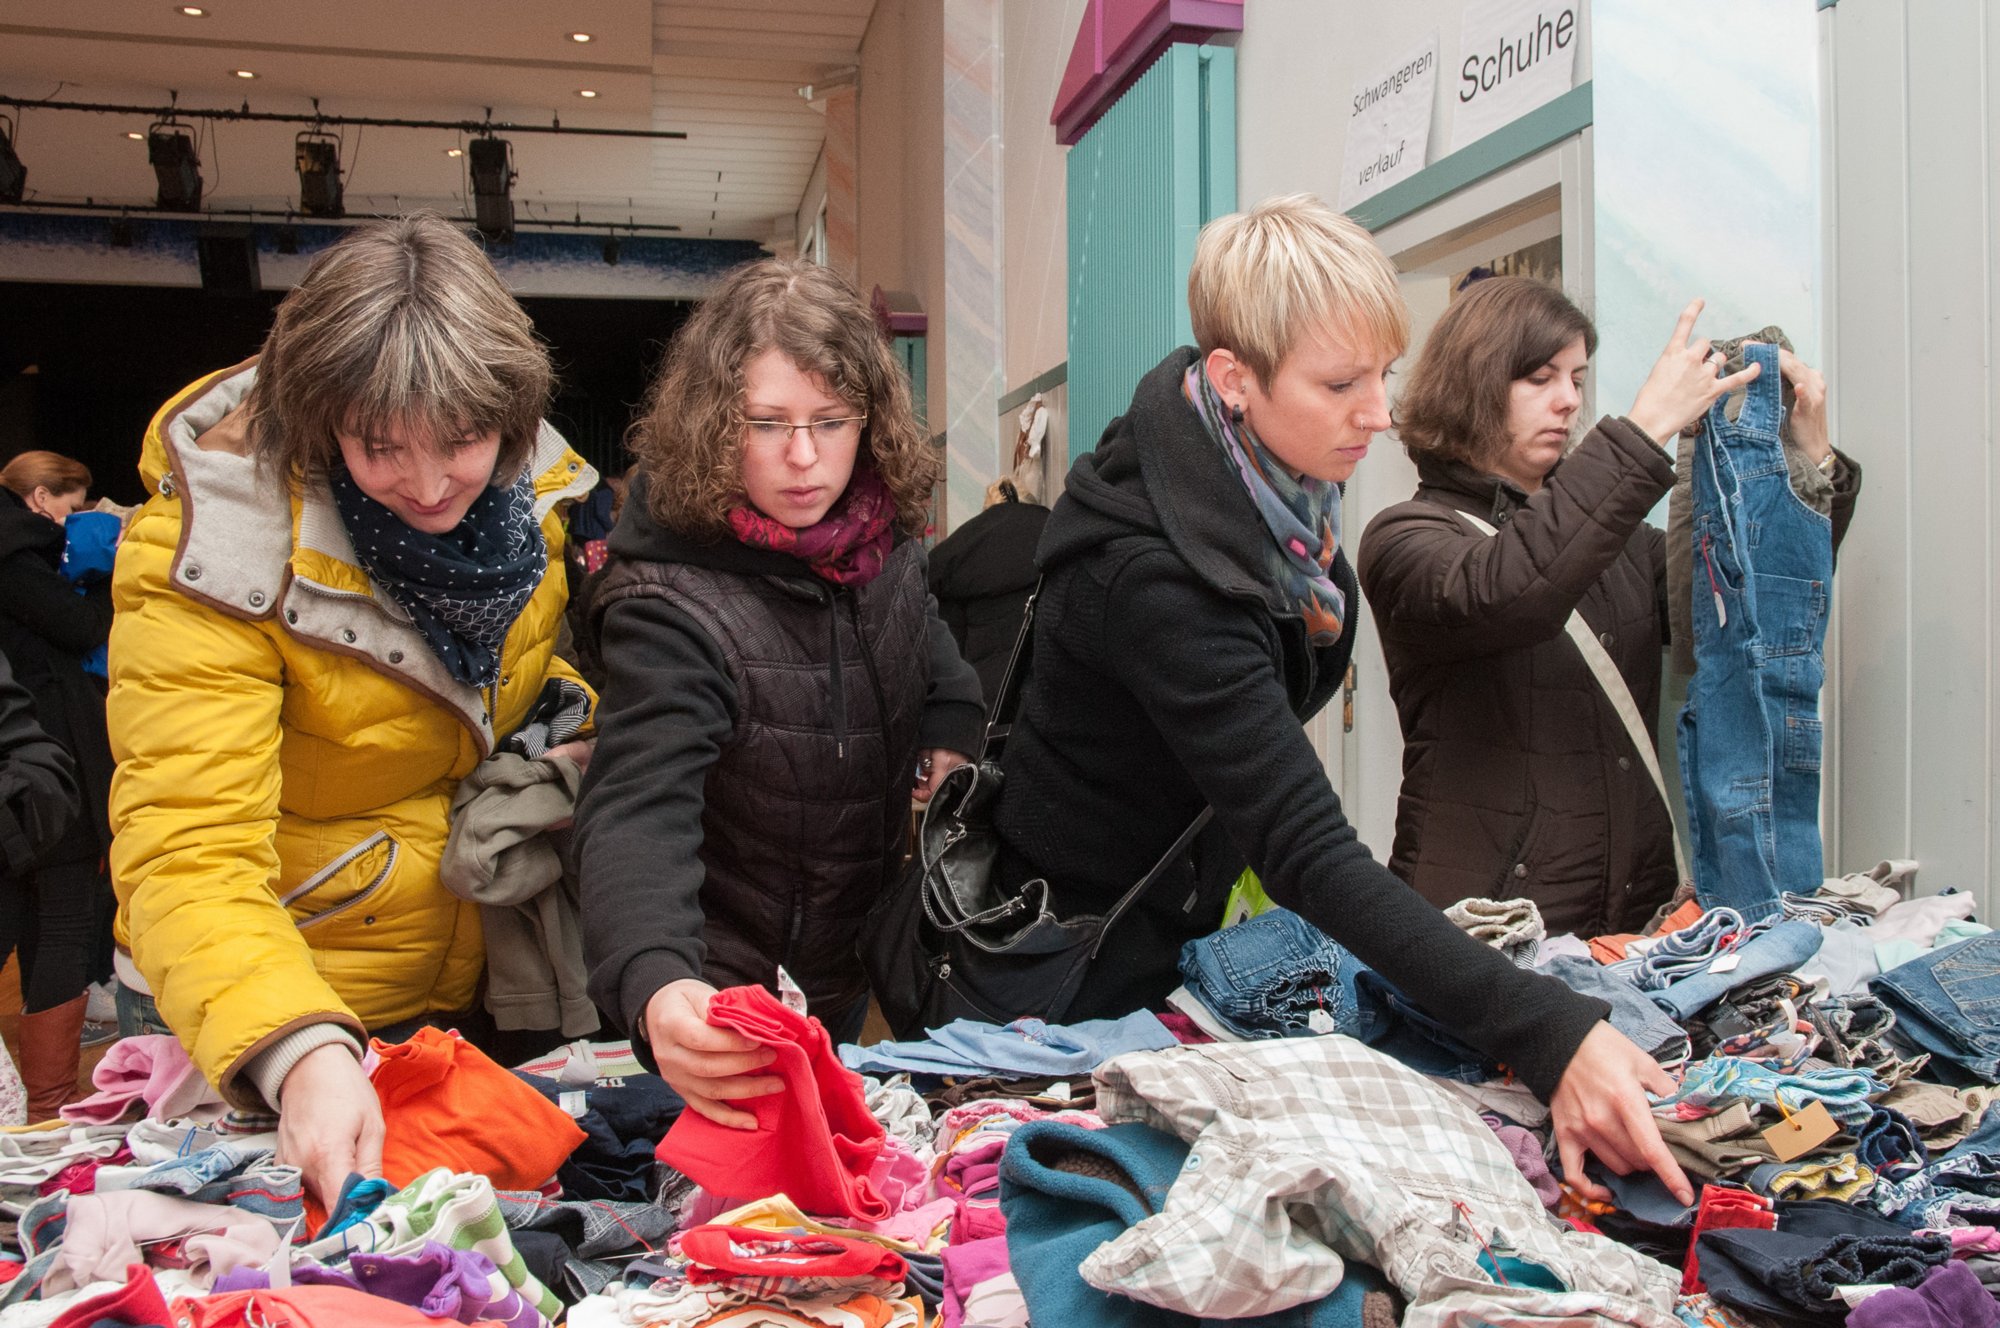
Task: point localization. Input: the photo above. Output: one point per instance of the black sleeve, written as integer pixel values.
(38, 793)
(954, 715)
(668, 706)
(41, 600)
(1216, 697)
(1439, 586)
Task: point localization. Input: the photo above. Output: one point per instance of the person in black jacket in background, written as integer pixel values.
(982, 574)
(54, 910)
(1197, 604)
(38, 801)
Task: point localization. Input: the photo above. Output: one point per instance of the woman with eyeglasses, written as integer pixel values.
(776, 677)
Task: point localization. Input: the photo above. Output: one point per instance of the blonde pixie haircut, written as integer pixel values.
(403, 323)
(1290, 268)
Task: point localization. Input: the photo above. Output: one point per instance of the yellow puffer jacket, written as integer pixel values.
(287, 749)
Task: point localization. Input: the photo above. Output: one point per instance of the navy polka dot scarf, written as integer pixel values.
(464, 588)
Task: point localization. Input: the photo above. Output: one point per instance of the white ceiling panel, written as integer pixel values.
(724, 72)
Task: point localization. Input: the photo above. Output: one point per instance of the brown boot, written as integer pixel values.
(49, 1056)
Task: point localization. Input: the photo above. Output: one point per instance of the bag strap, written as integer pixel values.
(1605, 670)
(1167, 860)
(1000, 719)
(1000, 722)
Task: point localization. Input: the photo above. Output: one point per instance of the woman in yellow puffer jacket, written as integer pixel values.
(347, 583)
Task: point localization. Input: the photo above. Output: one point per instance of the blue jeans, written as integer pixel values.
(1948, 1002)
(1750, 731)
(1632, 1012)
(1263, 978)
(136, 1013)
(1780, 950)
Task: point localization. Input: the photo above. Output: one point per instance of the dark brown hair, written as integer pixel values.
(403, 323)
(690, 442)
(1503, 328)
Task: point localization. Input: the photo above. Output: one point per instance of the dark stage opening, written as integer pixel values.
(83, 367)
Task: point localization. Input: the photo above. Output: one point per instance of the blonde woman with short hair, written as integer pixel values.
(1197, 605)
(343, 590)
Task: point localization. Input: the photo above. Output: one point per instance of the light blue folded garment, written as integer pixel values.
(1024, 1049)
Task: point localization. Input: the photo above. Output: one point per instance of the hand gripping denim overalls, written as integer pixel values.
(1750, 731)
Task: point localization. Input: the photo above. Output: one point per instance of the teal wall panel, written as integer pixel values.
(1142, 182)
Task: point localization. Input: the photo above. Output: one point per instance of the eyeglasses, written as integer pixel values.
(825, 433)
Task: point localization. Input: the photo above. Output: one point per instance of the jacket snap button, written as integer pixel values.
(191, 572)
(256, 599)
(291, 615)
(395, 657)
(506, 678)
(1607, 638)
(572, 467)
(1624, 763)
(347, 635)
(368, 921)
(1520, 869)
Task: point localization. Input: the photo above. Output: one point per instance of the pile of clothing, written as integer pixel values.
(1294, 1143)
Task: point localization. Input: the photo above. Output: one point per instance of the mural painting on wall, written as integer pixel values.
(148, 251)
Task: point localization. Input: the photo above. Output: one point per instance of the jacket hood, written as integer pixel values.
(992, 554)
(1157, 472)
(21, 528)
(1485, 493)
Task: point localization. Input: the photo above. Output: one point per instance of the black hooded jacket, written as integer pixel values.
(46, 629)
(1168, 673)
(982, 575)
(758, 728)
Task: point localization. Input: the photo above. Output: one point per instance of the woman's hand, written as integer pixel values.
(933, 764)
(1600, 1107)
(329, 1121)
(1683, 383)
(1808, 406)
(577, 750)
(708, 1066)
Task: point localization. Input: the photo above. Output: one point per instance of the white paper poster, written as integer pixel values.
(1389, 124)
(1513, 56)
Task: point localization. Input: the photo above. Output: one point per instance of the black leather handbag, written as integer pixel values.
(949, 941)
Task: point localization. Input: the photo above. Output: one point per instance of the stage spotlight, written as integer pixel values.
(170, 147)
(492, 187)
(611, 250)
(13, 175)
(318, 158)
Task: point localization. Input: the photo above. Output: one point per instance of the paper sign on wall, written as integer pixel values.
(1389, 124)
(1514, 55)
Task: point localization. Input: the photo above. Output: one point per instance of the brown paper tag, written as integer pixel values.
(1801, 1132)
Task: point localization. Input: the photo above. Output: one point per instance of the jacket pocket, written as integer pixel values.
(352, 877)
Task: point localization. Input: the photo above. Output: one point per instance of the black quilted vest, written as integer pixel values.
(806, 811)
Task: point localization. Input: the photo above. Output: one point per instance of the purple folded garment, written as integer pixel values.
(1951, 1297)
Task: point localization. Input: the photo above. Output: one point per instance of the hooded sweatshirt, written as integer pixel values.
(1168, 673)
(749, 796)
(982, 575)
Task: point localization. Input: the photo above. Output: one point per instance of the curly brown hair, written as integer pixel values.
(1455, 404)
(689, 443)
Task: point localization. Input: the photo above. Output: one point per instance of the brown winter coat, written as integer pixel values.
(1518, 777)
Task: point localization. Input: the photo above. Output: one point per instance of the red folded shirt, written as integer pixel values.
(815, 1141)
(1722, 1209)
(726, 1254)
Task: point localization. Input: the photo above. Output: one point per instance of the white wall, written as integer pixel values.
(1297, 63)
(1913, 154)
(1036, 36)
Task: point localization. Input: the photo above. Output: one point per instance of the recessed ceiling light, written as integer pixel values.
(244, 73)
(192, 11)
(135, 135)
(454, 152)
(586, 93)
(579, 36)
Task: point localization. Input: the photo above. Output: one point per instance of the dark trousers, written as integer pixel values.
(49, 917)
